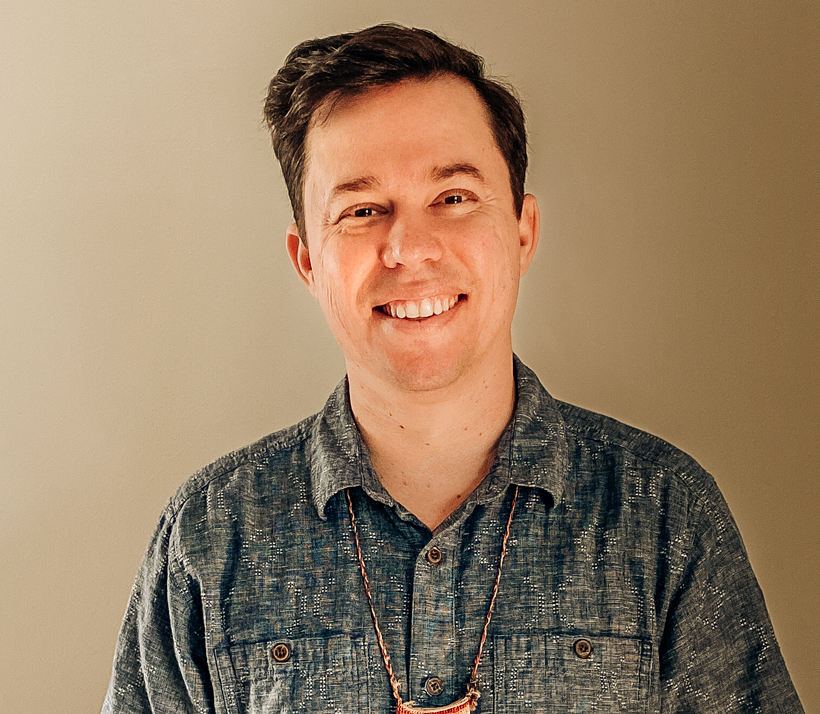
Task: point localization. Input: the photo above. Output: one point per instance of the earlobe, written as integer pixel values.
(529, 228)
(299, 256)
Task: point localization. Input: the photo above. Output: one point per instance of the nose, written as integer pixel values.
(410, 241)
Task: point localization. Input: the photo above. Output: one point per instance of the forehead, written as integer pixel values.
(402, 124)
(447, 88)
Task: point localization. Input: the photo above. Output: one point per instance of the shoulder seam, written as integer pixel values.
(268, 445)
(678, 470)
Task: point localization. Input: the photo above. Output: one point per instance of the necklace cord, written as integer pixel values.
(474, 672)
(472, 685)
(394, 683)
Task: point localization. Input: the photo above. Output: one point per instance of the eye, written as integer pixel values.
(361, 212)
(456, 197)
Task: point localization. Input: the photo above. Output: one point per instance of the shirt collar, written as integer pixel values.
(532, 451)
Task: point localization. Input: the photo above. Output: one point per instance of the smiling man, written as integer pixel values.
(413, 246)
(443, 536)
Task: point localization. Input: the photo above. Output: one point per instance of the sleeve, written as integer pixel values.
(160, 663)
(719, 652)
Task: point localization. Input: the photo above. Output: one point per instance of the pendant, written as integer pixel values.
(465, 705)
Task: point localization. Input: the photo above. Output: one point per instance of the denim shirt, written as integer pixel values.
(626, 587)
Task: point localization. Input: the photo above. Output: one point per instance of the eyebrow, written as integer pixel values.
(360, 183)
(437, 173)
(442, 173)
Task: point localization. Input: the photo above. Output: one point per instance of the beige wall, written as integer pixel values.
(150, 322)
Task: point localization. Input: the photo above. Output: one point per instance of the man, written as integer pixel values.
(443, 535)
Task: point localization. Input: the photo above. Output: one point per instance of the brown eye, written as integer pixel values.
(363, 213)
(454, 199)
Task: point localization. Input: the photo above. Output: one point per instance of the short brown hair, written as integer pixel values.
(352, 63)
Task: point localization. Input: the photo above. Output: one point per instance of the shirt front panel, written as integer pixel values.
(302, 588)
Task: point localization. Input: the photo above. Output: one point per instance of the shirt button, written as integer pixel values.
(280, 652)
(583, 648)
(434, 555)
(434, 686)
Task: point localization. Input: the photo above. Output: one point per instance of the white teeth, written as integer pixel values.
(424, 308)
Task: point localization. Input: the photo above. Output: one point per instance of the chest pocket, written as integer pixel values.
(570, 674)
(298, 675)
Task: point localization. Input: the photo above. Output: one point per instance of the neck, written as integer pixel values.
(431, 448)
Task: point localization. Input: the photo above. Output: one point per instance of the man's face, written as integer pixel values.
(414, 249)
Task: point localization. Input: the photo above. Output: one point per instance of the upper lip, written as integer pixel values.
(417, 294)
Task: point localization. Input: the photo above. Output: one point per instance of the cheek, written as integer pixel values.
(338, 282)
(490, 251)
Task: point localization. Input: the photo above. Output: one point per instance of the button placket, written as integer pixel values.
(433, 623)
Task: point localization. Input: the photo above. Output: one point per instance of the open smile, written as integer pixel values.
(418, 309)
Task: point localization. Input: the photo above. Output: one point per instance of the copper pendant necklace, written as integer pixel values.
(469, 702)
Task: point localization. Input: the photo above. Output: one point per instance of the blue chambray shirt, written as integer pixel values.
(626, 587)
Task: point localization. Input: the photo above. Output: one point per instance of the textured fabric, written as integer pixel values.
(626, 586)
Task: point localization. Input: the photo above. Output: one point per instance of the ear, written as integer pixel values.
(300, 256)
(529, 228)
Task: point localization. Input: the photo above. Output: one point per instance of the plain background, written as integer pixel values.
(150, 320)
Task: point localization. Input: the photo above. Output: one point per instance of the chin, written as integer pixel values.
(424, 373)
